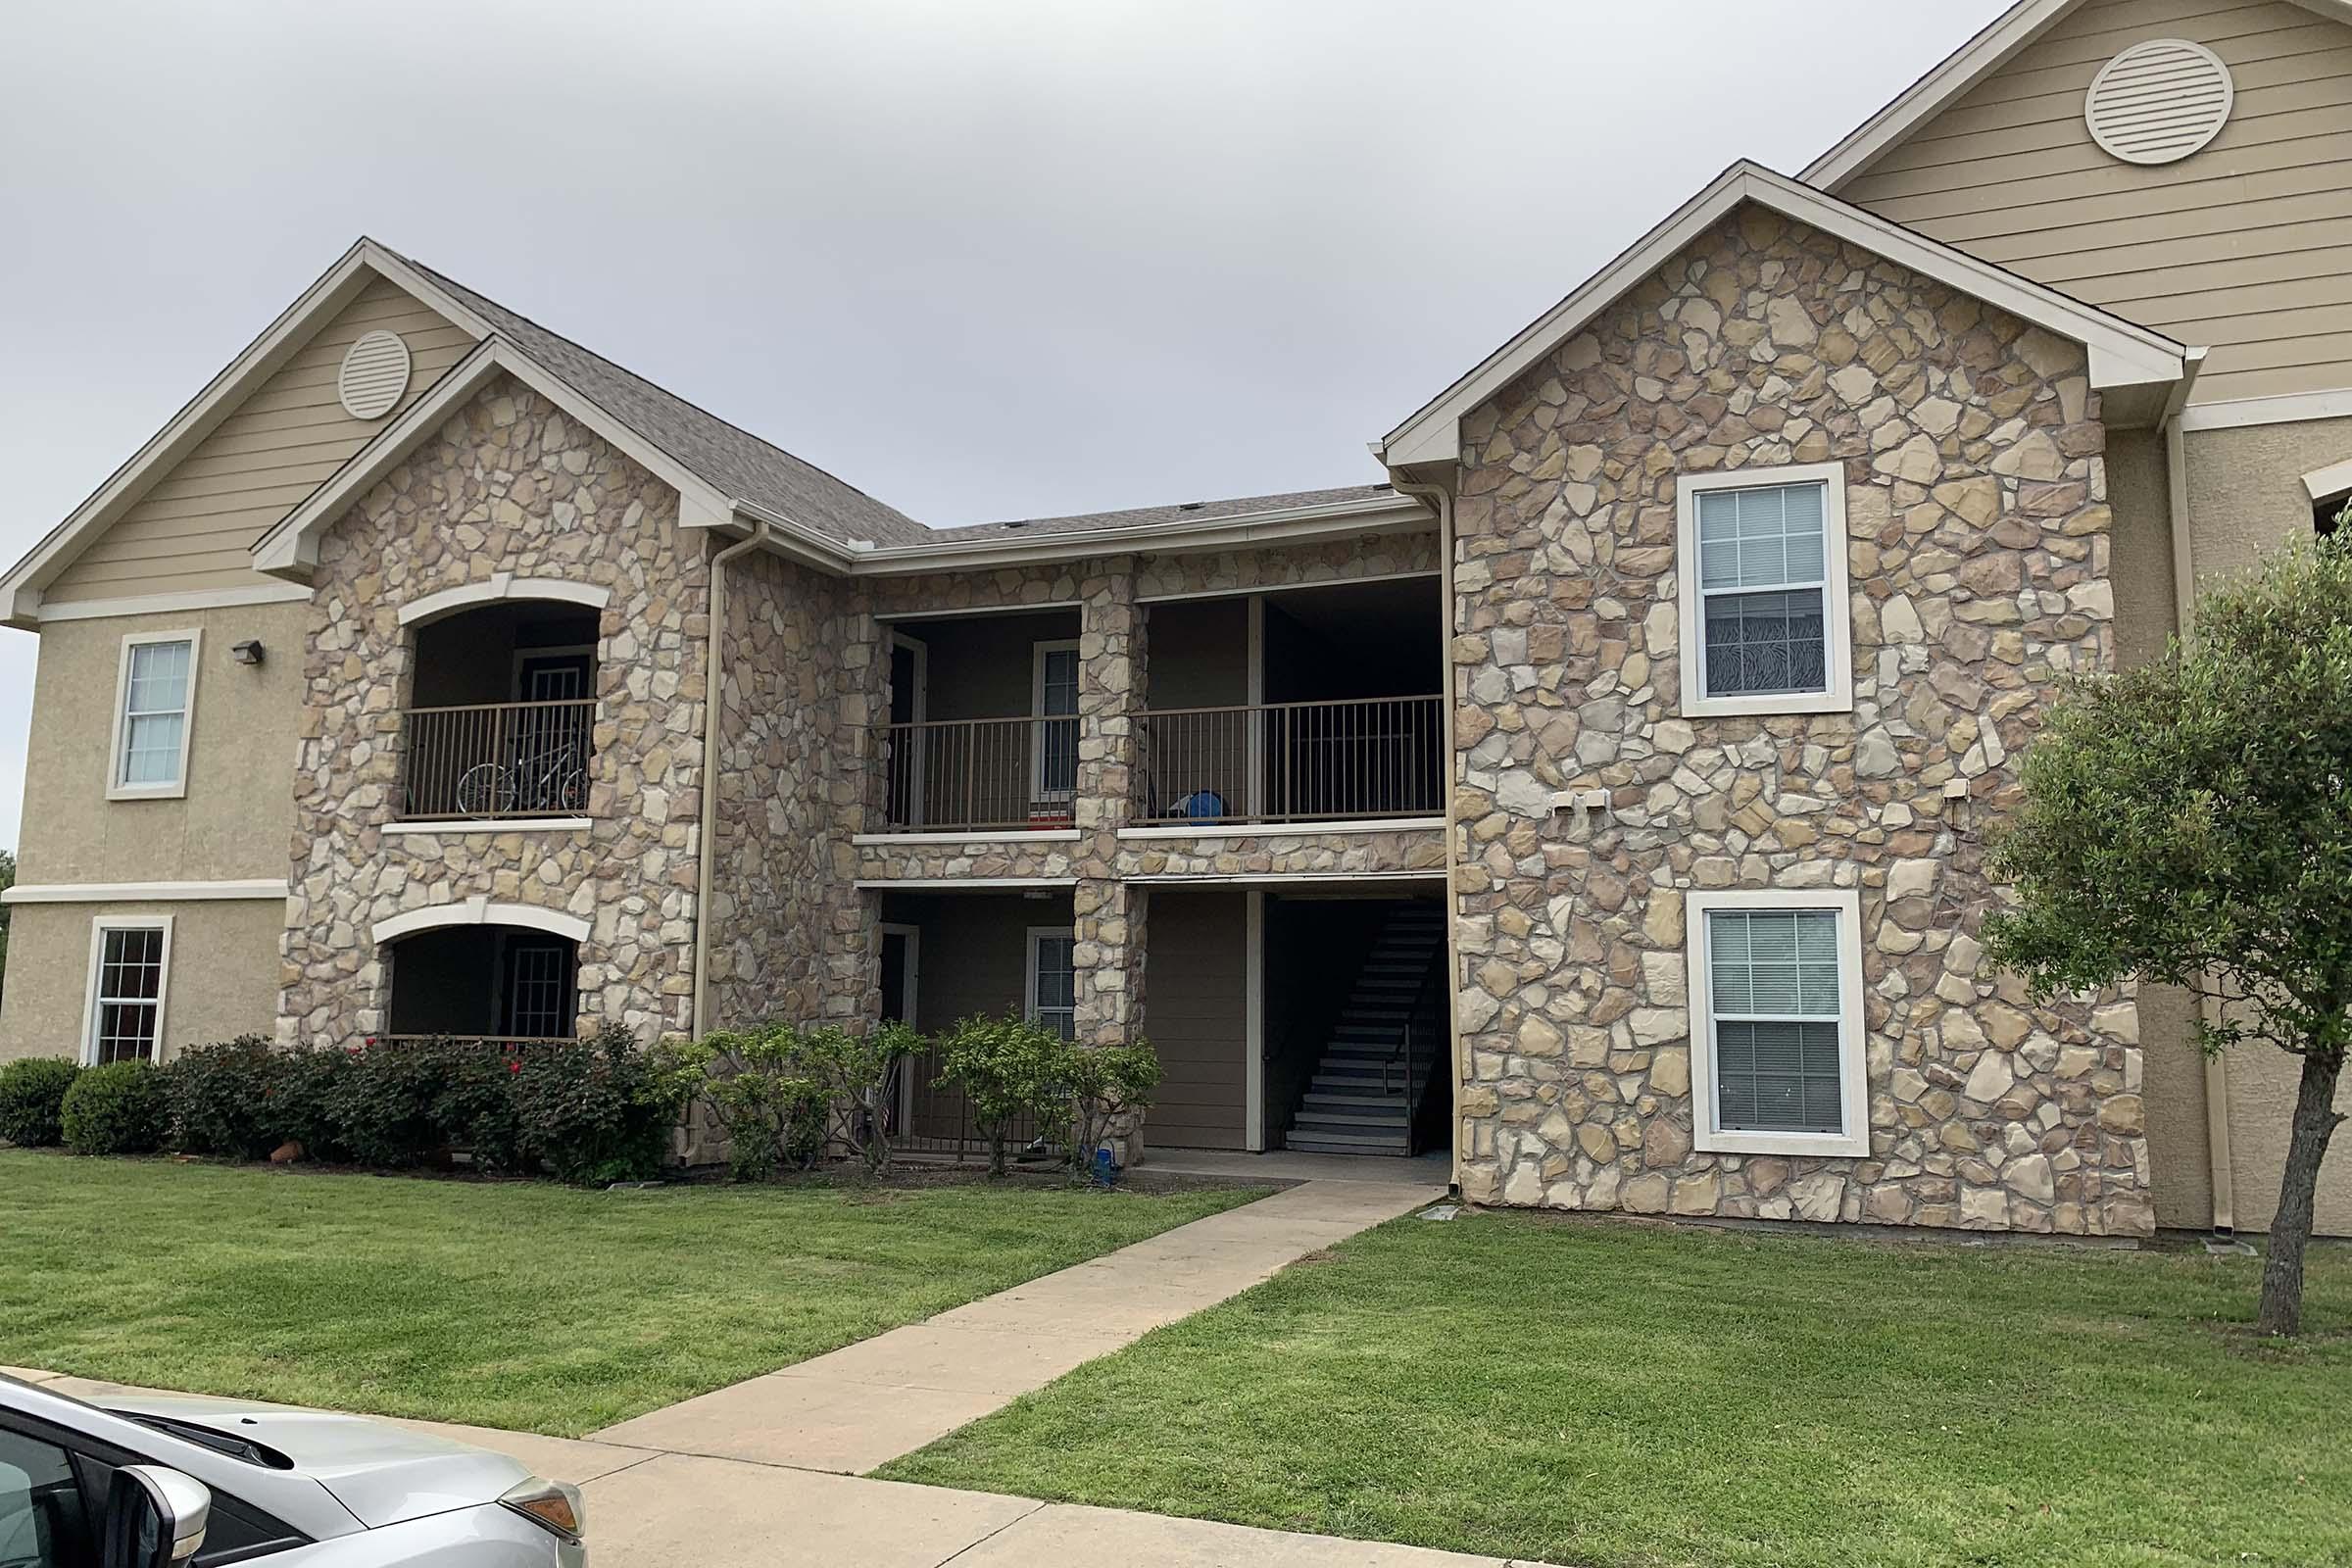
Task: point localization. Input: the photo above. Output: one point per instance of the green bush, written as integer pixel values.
(303, 1094)
(772, 1113)
(476, 1106)
(31, 1092)
(1105, 1083)
(856, 1071)
(385, 1106)
(221, 1098)
(1008, 1068)
(600, 1111)
(118, 1109)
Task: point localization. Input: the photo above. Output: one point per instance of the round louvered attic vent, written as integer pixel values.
(2159, 101)
(375, 372)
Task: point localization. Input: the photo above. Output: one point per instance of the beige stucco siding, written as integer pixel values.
(221, 981)
(237, 818)
(191, 530)
(2238, 248)
(2245, 499)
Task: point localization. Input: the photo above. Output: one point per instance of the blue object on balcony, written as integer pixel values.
(1201, 806)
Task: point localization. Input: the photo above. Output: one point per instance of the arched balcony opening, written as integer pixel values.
(512, 985)
(502, 711)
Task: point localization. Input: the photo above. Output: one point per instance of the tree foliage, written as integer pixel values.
(1009, 1069)
(2190, 822)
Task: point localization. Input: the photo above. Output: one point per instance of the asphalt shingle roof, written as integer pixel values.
(734, 461)
(746, 467)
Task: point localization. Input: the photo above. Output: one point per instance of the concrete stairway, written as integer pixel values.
(1356, 1102)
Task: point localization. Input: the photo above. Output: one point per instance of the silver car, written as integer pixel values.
(142, 1480)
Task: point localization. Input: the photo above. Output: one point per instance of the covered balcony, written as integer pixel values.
(502, 985)
(502, 714)
(1317, 704)
(1306, 706)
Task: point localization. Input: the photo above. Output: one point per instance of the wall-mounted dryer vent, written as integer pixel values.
(374, 373)
(2160, 101)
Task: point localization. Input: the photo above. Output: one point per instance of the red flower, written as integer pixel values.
(513, 1064)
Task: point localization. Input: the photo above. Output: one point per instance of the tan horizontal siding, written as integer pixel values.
(2235, 249)
(192, 528)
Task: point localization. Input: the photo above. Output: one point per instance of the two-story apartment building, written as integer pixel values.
(1602, 796)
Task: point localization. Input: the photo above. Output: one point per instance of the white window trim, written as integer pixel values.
(1852, 1139)
(1037, 934)
(177, 789)
(100, 925)
(1038, 793)
(1837, 617)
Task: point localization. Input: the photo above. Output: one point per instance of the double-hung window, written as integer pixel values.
(130, 964)
(1054, 979)
(1776, 1022)
(1762, 569)
(155, 709)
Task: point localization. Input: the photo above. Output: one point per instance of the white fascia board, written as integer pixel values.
(290, 549)
(261, 593)
(1385, 514)
(261, 358)
(2121, 353)
(2000, 41)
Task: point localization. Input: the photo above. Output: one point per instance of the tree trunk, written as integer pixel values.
(2316, 1119)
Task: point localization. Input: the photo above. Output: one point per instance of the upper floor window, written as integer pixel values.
(155, 709)
(1762, 568)
(1053, 701)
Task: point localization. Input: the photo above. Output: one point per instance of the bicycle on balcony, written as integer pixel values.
(547, 781)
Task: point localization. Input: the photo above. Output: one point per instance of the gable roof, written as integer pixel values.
(2123, 355)
(723, 460)
(2001, 40)
(729, 458)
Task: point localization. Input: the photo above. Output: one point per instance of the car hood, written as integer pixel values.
(382, 1473)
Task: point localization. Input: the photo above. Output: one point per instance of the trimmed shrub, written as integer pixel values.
(477, 1105)
(385, 1106)
(1104, 1084)
(118, 1109)
(772, 1113)
(303, 1094)
(600, 1111)
(31, 1094)
(1008, 1068)
(856, 1073)
(221, 1098)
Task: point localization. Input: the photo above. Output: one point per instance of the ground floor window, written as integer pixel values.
(1776, 1022)
(130, 962)
(1054, 979)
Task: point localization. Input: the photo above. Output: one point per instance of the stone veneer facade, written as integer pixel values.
(1975, 497)
(509, 484)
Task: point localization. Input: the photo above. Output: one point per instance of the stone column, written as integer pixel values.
(1107, 914)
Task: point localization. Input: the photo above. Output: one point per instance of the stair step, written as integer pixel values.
(1392, 1144)
(1349, 1126)
(1322, 1102)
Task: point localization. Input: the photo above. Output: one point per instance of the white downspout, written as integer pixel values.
(1440, 502)
(2220, 1177)
(707, 862)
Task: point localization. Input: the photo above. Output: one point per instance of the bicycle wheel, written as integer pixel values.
(486, 789)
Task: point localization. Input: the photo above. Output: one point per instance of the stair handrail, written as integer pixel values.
(1404, 1047)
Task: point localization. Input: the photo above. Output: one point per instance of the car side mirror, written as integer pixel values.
(155, 1517)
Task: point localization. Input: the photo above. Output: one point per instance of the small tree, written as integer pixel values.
(772, 1112)
(1006, 1068)
(2190, 822)
(856, 1073)
(1105, 1083)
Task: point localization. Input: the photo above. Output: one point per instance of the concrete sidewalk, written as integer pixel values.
(756, 1475)
(869, 1403)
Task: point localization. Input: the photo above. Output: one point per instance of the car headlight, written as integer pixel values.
(556, 1505)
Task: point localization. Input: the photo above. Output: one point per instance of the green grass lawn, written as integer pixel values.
(1614, 1395)
(510, 1304)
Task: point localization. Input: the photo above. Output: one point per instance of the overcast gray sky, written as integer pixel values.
(980, 258)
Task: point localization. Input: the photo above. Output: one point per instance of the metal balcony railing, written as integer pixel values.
(496, 760)
(971, 773)
(1375, 757)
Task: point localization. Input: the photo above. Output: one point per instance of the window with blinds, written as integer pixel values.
(1763, 560)
(1777, 1016)
(153, 731)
